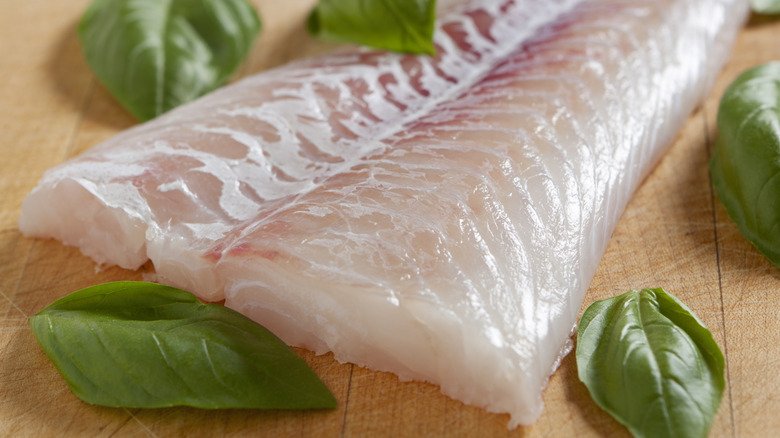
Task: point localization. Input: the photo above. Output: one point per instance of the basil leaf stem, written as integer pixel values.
(136, 344)
(156, 55)
(650, 363)
(745, 164)
(397, 25)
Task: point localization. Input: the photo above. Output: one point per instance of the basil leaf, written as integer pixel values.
(397, 25)
(765, 6)
(135, 344)
(745, 164)
(156, 55)
(649, 362)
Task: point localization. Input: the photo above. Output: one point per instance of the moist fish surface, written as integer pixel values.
(436, 217)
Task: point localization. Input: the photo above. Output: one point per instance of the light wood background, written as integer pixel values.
(674, 235)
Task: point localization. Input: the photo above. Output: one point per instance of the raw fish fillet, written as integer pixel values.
(439, 218)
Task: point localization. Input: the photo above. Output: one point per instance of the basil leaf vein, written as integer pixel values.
(398, 25)
(651, 364)
(156, 55)
(745, 165)
(136, 344)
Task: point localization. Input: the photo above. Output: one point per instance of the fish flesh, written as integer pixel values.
(200, 171)
(436, 217)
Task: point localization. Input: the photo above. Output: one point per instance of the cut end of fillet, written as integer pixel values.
(68, 212)
(72, 213)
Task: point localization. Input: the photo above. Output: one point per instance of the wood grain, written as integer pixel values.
(674, 234)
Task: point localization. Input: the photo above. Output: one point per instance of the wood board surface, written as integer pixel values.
(674, 234)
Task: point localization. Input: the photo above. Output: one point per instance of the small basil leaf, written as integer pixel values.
(136, 344)
(649, 362)
(765, 6)
(397, 25)
(156, 55)
(745, 164)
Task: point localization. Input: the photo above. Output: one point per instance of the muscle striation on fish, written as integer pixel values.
(436, 217)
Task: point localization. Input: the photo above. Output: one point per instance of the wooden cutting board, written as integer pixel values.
(674, 234)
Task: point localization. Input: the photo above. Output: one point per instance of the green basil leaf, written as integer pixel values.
(136, 344)
(745, 165)
(765, 6)
(155, 55)
(649, 362)
(397, 25)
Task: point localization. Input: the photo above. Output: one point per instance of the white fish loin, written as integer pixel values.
(444, 227)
